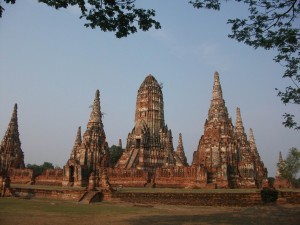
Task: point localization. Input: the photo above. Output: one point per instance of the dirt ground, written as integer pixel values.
(48, 212)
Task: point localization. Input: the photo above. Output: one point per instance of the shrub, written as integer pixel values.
(269, 194)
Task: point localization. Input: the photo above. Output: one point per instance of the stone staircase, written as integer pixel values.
(89, 197)
(132, 158)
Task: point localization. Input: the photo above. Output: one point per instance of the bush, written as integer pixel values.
(269, 195)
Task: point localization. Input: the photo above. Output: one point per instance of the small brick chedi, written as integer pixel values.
(90, 155)
(281, 182)
(11, 154)
(150, 144)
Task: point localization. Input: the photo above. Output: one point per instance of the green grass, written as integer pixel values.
(58, 212)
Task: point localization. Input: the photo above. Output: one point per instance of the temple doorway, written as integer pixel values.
(71, 174)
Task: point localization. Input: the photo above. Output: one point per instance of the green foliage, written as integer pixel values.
(39, 169)
(121, 17)
(291, 166)
(7, 1)
(271, 24)
(115, 154)
(271, 181)
(269, 195)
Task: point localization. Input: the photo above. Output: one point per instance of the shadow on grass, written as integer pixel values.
(246, 216)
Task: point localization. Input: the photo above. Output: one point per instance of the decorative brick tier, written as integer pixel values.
(74, 195)
(194, 199)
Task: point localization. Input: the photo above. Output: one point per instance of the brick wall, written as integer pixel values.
(21, 176)
(50, 177)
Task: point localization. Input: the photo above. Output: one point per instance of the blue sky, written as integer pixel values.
(51, 65)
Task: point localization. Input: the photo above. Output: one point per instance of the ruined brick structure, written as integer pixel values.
(281, 182)
(150, 144)
(225, 158)
(90, 154)
(11, 154)
(229, 158)
(52, 177)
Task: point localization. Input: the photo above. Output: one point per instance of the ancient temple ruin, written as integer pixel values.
(11, 154)
(150, 144)
(90, 154)
(224, 151)
(226, 157)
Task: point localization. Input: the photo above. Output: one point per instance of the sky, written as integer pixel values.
(51, 66)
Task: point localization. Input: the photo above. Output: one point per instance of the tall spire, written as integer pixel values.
(10, 149)
(12, 132)
(149, 110)
(95, 121)
(77, 143)
(217, 90)
(217, 110)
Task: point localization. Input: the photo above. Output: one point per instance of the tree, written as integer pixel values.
(119, 16)
(291, 166)
(271, 24)
(115, 154)
(39, 169)
(7, 1)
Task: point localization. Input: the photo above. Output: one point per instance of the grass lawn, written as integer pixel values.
(55, 212)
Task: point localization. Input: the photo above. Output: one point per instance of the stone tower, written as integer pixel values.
(224, 151)
(216, 150)
(11, 154)
(90, 154)
(150, 143)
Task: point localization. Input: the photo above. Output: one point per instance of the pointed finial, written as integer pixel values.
(238, 114)
(216, 76)
(78, 137)
(239, 122)
(13, 124)
(251, 136)
(14, 116)
(96, 114)
(280, 157)
(120, 143)
(252, 139)
(217, 90)
(180, 140)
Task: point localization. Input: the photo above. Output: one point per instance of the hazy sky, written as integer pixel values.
(51, 65)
